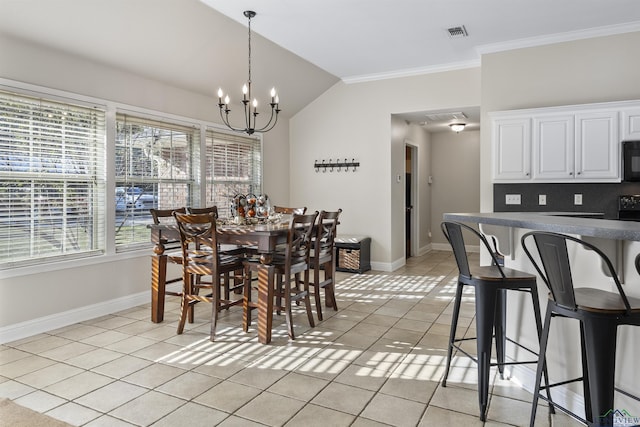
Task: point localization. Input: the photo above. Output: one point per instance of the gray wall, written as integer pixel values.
(353, 120)
(455, 160)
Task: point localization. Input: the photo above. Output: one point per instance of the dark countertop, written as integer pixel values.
(561, 222)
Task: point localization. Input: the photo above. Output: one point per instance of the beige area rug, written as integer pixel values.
(14, 415)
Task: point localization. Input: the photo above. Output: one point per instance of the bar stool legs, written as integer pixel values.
(491, 284)
(490, 303)
(452, 335)
(486, 304)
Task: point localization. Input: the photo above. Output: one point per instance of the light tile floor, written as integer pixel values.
(377, 361)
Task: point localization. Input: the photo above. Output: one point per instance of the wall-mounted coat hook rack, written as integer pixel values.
(338, 165)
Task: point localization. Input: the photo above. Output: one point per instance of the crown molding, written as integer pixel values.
(559, 38)
(410, 72)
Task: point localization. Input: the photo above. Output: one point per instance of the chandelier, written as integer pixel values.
(250, 107)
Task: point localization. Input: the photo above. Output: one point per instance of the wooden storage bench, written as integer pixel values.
(353, 253)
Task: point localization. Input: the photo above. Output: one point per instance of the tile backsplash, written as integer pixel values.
(596, 197)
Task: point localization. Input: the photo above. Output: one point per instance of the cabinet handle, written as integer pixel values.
(579, 173)
(570, 173)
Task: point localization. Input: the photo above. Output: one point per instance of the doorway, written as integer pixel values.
(410, 199)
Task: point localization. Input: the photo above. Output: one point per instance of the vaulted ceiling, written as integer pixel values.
(300, 47)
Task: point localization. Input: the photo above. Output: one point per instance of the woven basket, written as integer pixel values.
(348, 258)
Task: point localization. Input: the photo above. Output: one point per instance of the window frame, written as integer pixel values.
(138, 213)
(58, 175)
(109, 254)
(209, 176)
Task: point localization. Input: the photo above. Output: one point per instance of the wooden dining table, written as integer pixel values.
(263, 238)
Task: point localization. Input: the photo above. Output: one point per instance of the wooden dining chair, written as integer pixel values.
(323, 259)
(172, 248)
(201, 257)
(293, 266)
(226, 249)
(288, 211)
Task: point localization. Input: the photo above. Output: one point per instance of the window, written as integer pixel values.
(234, 166)
(156, 164)
(52, 180)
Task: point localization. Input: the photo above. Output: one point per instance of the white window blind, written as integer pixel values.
(52, 180)
(234, 166)
(156, 165)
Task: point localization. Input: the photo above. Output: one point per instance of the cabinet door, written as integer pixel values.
(597, 145)
(511, 144)
(631, 124)
(553, 147)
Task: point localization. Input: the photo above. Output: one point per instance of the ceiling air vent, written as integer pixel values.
(445, 116)
(457, 32)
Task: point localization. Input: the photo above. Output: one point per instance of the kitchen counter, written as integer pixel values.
(560, 222)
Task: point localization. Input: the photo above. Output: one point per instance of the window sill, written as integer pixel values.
(74, 263)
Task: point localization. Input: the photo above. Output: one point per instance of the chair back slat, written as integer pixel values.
(453, 233)
(554, 257)
(299, 239)
(165, 216)
(198, 240)
(554, 266)
(326, 233)
(208, 209)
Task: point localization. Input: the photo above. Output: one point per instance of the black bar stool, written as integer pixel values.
(599, 313)
(491, 284)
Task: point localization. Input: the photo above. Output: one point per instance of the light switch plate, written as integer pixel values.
(542, 199)
(577, 199)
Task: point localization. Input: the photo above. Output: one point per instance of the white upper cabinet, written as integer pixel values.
(511, 149)
(553, 147)
(563, 144)
(630, 124)
(597, 145)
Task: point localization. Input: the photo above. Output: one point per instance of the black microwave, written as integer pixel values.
(631, 160)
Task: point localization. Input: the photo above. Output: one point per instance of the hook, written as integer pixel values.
(324, 167)
(354, 164)
(331, 164)
(316, 165)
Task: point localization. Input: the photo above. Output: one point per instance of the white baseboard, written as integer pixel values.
(425, 249)
(447, 247)
(526, 376)
(59, 320)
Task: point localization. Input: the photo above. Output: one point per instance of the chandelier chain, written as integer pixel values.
(249, 81)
